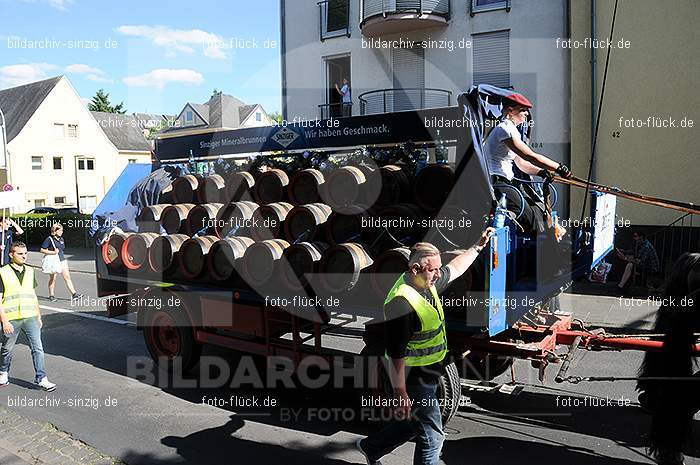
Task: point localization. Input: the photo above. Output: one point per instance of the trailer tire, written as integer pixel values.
(449, 392)
(484, 367)
(170, 340)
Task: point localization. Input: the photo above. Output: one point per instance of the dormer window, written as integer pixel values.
(258, 116)
(189, 116)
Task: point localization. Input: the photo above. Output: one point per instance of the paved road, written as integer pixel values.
(108, 400)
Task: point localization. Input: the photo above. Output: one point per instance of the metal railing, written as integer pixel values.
(674, 239)
(474, 6)
(334, 18)
(371, 8)
(335, 110)
(390, 100)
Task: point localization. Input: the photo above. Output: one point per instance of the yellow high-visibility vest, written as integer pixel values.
(19, 299)
(429, 345)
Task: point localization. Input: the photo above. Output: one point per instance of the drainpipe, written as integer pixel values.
(594, 72)
(283, 58)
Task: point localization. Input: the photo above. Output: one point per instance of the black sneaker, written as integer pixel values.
(52, 298)
(358, 444)
(77, 295)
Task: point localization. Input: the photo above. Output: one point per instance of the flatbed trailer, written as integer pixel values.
(483, 339)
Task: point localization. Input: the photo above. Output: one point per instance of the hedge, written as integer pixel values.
(37, 227)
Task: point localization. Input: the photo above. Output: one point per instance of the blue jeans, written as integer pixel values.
(425, 425)
(31, 328)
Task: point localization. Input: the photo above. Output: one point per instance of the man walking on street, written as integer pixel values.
(416, 344)
(19, 310)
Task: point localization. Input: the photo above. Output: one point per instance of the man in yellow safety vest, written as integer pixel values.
(19, 311)
(416, 344)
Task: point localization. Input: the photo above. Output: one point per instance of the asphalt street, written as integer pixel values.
(109, 398)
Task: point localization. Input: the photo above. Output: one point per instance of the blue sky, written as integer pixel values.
(154, 56)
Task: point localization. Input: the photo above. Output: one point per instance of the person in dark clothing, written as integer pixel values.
(416, 344)
(56, 245)
(10, 228)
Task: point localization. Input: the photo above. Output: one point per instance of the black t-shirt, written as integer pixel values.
(55, 242)
(401, 322)
(20, 276)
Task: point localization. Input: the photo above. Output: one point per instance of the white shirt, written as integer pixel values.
(498, 155)
(345, 90)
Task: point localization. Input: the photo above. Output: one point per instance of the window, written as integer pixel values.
(489, 5)
(73, 131)
(37, 163)
(334, 18)
(86, 164)
(39, 202)
(132, 160)
(59, 200)
(408, 67)
(258, 116)
(58, 163)
(58, 131)
(491, 58)
(88, 203)
(189, 116)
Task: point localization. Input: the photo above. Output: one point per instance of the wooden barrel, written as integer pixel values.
(166, 195)
(149, 218)
(387, 268)
(299, 261)
(270, 186)
(112, 251)
(202, 218)
(260, 259)
(405, 221)
(162, 254)
(135, 250)
(239, 187)
(192, 257)
(340, 267)
(304, 187)
(268, 221)
(184, 188)
(304, 221)
(235, 219)
(343, 187)
(433, 185)
(350, 225)
(395, 185)
(173, 218)
(211, 189)
(224, 256)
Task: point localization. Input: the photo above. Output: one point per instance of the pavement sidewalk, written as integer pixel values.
(26, 441)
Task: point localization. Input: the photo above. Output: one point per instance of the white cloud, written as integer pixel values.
(179, 40)
(158, 78)
(93, 74)
(61, 5)
(16, 75)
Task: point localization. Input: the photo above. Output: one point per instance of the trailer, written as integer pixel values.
(506, 305)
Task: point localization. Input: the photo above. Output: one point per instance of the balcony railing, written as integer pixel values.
(334, 18)
(334, 110)
(391, 100)
(405, 15)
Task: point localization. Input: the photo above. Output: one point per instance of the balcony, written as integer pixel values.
(334, 18)
(334, 110)
(382, 17)
(391, 100)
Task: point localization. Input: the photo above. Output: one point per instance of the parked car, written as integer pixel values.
(53, 210)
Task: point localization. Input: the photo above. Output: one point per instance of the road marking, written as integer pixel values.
(89, 316)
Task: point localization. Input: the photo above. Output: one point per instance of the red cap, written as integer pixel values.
(520, 99)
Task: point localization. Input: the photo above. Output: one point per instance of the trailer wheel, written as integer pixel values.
(171, 339)
(449, 392)
(484, 367)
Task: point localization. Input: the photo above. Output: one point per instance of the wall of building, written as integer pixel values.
(652, 74)
(538, 68)
(37, 138)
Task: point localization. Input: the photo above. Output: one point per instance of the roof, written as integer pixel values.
(122, 130)
(202, 109)
(149, 120)
(245, 111)
(18, 104)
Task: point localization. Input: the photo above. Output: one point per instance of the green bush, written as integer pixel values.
(37, 227)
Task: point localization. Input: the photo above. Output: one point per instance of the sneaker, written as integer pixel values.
(46, 385)
(358, 444)
(52, 298)
(77, 295)
(4, 378)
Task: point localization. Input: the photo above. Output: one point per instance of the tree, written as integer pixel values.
(101, 102)
(276, 116)
(215, 93)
